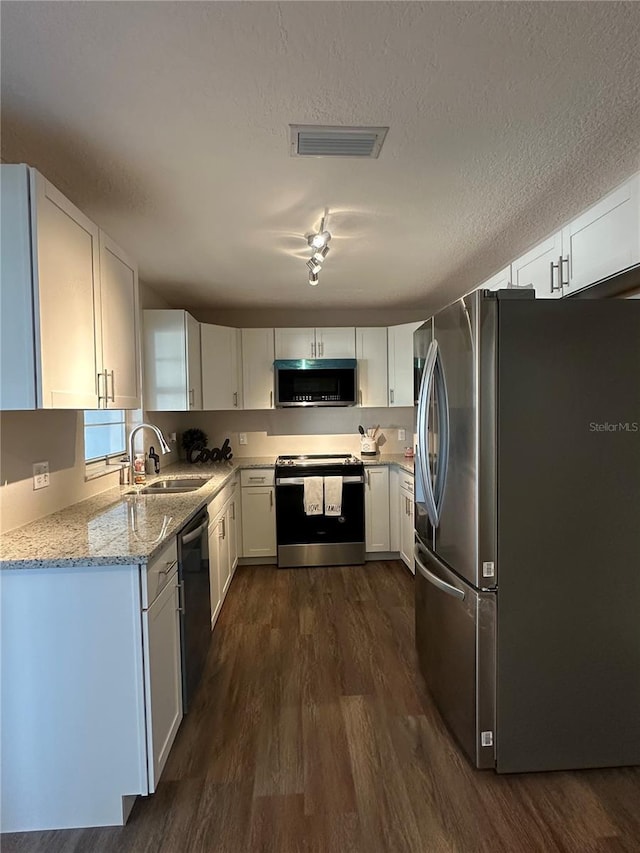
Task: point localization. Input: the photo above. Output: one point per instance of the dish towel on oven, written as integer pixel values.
(313, 495)
(333, 495)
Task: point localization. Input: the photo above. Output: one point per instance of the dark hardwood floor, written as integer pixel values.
(312, 731)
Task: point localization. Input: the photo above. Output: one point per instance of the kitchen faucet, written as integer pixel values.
(164, 447)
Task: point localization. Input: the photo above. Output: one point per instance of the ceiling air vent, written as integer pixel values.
(309, 140)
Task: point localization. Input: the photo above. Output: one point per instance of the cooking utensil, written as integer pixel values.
(360, 429)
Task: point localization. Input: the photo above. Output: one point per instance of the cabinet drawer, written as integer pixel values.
(406, 482)
(225, 494)
(257, 477)
(159, 570)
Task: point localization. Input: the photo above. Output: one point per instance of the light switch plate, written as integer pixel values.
(242, 437)
(402, 435)
(40, 475)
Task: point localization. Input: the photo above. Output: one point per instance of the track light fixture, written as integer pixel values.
(319, 243)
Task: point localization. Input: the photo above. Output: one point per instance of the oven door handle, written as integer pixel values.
(299, 481)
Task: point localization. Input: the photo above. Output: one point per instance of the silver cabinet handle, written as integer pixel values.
(271, 399)
(368, 478)
(233, 511)
(235, 399)
(271, 497)
(553, 267)
(391, 395)
(113, 387)
(564, 283)
(443, 586)
(321, 348)
(191, 397)
(221, 527)
(181, 608)
(101, 375)
(360, 397)
(313, 350)
(262, 479)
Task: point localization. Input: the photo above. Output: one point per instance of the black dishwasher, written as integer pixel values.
(195, 610)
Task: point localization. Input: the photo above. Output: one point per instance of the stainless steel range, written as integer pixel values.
(320, 510)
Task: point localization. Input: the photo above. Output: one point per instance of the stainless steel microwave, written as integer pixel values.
(315, 382)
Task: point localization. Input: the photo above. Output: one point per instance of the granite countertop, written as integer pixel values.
(113, 528)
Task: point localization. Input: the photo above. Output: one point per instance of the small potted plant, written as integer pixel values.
(193, 437)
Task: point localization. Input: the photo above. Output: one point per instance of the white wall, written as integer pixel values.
(276, 431)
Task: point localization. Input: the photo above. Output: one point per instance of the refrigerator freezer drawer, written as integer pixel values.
(455, 638)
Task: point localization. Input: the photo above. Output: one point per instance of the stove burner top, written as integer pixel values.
(319, 459)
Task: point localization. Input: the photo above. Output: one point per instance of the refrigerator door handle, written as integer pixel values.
(443, 409)
(423, 455)
(443, 586)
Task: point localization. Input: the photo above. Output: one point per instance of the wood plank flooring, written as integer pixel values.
(312, 731)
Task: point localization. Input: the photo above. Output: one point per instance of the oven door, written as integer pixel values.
(319, 540)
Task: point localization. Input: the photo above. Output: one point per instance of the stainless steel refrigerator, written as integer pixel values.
(528, 528)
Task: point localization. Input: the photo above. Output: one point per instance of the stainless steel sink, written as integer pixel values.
(168, 487)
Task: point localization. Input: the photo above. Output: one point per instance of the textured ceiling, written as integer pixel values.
(168, 124)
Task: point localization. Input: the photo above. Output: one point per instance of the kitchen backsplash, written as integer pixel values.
(313, 430)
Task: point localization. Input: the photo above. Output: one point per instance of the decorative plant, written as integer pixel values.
(191, 437)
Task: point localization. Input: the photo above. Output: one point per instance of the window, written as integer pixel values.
(104, 434)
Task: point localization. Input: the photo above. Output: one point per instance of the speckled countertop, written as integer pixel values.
(115, 529)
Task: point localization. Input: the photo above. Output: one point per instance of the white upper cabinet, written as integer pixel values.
(604, 240)
(70, 335)
(257, 368)
(540, 268)
(371, 352)
(221, 367)
(315, 343)
(295, 343)
(400, 353)
(120, 327)
(499, 281)
(172, 368)
(336, 342)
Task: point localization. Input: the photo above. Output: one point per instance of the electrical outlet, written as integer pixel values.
(402, 435)
(40, 475)
(242, 437)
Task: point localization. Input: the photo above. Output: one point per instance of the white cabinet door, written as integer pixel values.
(406, 527)
(172, 372)
(371, 352)
(258, 521)
(394, 506)
(376, 508)
(499, 281)
(295, 343)
(336, 342)
(233, 523)
(67, 300)
(257, 368)
(224, 553)
(605, 239)
(214, 568)
(120, 326)
(194, 363)
(221, 374)
(539, 267)
(400, 351)
(163, 677)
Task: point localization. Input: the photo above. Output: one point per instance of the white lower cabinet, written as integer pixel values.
(223, 545)
(162, 676)
(376, 508)
(406, 527)
(258, 513)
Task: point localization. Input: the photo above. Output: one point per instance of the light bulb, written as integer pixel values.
(314, 266)
(313, 279)
(320, 254)
(317, 241)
